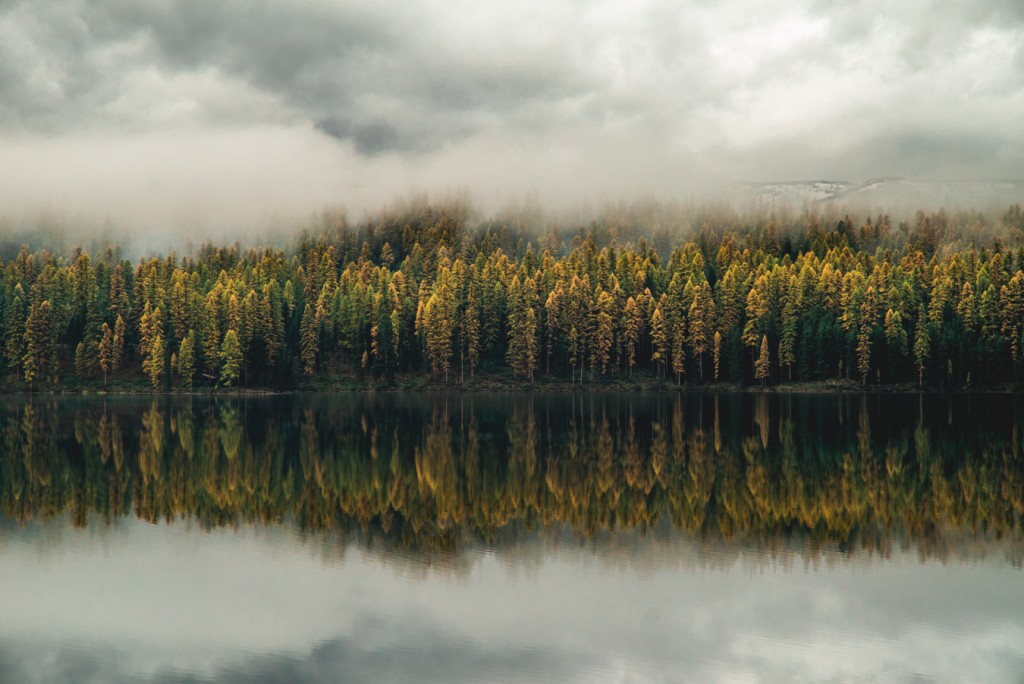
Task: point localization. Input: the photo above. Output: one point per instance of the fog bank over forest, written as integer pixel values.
(975, 209)
(181, 121)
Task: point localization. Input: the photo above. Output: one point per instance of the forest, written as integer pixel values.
(422, 296)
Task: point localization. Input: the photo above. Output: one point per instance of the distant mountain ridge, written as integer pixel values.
(891, 194)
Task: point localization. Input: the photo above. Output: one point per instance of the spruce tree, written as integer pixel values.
(117, 349)
(153, 362)
(231, 358)
(106, 352)
(922, 344)
(40, 356)
(309, 341)
(186, 361)
(762, 368)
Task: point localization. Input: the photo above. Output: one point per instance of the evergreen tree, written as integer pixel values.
(679, 353)
(310, 341)
(922, 344)
(717, 351)
(603, 332)
(231, 358)
(701, 321)
(40, 358)
(15, 316)
(155, 359)
(787, 343)
(632, 328)
(827, 301)
(895, 334)
(659, 339)
(522, 329)
(117, 348)
(186, 361)
(762, 369)
(152, 344)
(106, 352)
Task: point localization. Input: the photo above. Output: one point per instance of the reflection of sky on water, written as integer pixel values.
(173, 604)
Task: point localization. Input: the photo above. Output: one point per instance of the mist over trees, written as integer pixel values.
(644, 294)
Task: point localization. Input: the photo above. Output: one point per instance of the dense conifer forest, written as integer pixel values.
(422, 296)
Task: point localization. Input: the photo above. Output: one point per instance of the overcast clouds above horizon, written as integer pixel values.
(237, 111)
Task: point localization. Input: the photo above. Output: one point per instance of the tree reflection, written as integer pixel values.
(439, 471)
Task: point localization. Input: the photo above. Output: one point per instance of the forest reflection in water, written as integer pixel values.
(437, 471)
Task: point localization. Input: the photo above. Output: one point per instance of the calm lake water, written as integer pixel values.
(441, 538)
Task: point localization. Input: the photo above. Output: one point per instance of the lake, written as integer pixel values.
(512, 537)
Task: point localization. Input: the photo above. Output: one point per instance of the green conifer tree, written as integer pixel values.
(231, 358)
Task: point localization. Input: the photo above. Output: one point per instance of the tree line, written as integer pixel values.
(937, 302)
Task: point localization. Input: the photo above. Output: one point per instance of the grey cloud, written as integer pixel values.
(371, 75)
(576, 99)
(369, 138)
(40, 69)
(942, 155)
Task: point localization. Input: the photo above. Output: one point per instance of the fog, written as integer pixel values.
(188, 120)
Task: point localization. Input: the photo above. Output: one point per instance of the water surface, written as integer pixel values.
(436, 537)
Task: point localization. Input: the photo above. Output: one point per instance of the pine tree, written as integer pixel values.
(309, 340)
(271, 322)
(679, 354)
(864, 329)
(717, 351)
(553, 323)
(603, 332)
(922, 344)
(152, 344)
(1011, 300)
(757, 309)
(14, 329)
(659, 338)
(83, 360)
(435, 323)
(120, 301)
(787, 343)
(522, 329)
(154, 361)
(117, 348)
(967, 307)
(988, 312)
(186, 361)
(212, 333)
(895, 334)
(231, 358)
(106, 352)
(92, 334)
(701, 320)
(632, 326)
(762, 369)
(471, 333)
(40, 358)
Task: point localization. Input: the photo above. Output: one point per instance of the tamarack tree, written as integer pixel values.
(409, 296)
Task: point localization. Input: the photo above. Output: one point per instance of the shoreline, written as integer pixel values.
(496, 385)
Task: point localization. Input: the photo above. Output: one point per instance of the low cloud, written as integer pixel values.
(566, 99)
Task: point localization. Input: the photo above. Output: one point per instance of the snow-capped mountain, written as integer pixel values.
(884, 194)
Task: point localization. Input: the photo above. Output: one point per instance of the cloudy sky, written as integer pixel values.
(206, 113)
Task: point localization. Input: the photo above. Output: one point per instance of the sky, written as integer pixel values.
(198, 115)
